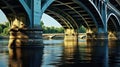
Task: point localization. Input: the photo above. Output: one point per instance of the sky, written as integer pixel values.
(48, 21)
(2, 17)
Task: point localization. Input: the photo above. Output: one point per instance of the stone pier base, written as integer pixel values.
(35, 37)
(97, 36)
(25, 37)
(118, 35)
(71, 35)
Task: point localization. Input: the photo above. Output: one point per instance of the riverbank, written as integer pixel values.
(4, 37)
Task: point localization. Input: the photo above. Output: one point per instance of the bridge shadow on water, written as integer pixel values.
(60, 53)
(85, 54)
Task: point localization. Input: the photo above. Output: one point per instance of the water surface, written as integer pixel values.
(60, 53)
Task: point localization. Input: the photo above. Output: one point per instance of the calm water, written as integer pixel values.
(59, 53)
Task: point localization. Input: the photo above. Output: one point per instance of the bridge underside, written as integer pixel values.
(73, 14)
(70, 15)
(25, 15)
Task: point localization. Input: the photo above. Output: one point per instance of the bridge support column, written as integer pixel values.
(17, 36)
(118, 35)
(113, 35)
(35, 36)
(101, 35)
(97, 36)
(21, 35)
(71, 34)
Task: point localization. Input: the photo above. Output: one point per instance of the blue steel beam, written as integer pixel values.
(28, 11)
(36, 11)
(115, 21)
(92, 14)
(66, 17)
(47, 4)
(62, 20)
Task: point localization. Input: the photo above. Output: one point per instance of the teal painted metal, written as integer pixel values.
(115, 20)
(47, 4)
(104, 15)
(35, 9)
(36, 12)
(94, 18)
(28, 11)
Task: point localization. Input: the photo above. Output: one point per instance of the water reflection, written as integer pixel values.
(99, 53)
(85, 54)
(28, 57)
(56, 53)
(114, 53)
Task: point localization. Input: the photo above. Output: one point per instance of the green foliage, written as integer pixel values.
(41, 24)
(4, 29)
(82, 29)
(1, 29)
(51, 29)
(3, 26)
(7, 24)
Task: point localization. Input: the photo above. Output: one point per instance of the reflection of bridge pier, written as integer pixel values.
(99, 51)
(71, 35)
(20, 57)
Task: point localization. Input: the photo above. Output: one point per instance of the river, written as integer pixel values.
(60, 53)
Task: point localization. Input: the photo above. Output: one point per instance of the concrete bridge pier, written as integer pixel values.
(101, 36)
(118, 35)
(71, 35)
(18, 35)
(96, 35)
(35, 36)
(22, 35)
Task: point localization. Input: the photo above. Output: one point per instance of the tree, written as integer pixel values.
(7, 24)
(1, 29)
(4, 28)
(82, 29)
(5, 31)
(51, 29)
(41, 24)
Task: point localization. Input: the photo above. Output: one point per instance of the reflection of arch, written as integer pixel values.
(113, 23)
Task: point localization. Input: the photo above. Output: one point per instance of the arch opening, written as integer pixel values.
(113, 27)
(51, 27)
(73, 14)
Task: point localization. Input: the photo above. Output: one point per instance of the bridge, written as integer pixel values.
(100, 17)
(52, 35)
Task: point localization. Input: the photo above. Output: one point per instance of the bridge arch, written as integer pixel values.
(14, 10)
(113, 19)
(79, 14)
(113, 25)
(91, 6)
